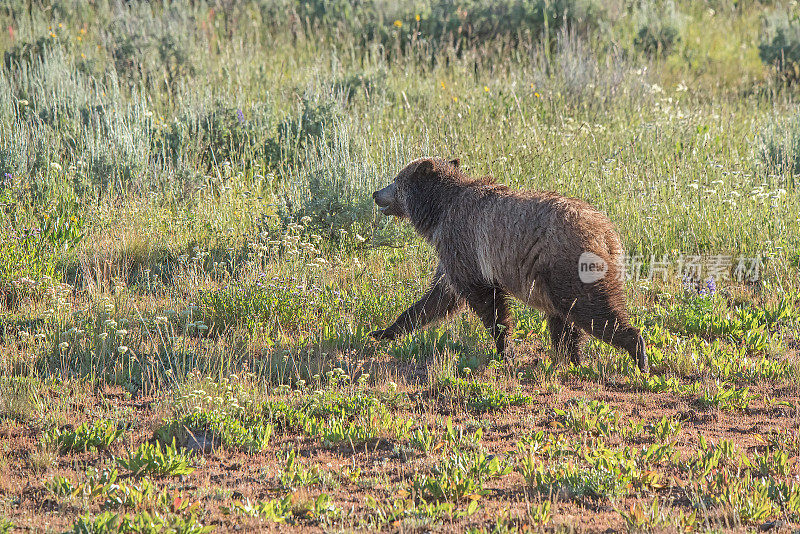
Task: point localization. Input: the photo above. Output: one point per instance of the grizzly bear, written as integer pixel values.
(557, 254)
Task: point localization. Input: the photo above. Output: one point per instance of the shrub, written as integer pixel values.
(211, 133)
(367, 82)
(464, 23)
(149, 48)
(215, 133)
(658, 29)
(315, 112)
(320, 110)
(28, 51)
(780, 43)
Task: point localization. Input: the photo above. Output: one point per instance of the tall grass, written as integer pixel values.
(200, 147)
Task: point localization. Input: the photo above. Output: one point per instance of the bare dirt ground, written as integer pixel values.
(387, 465)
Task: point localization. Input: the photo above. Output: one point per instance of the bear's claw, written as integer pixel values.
(380, 335)
(641, 356)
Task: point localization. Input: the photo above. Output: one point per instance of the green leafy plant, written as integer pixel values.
(100, 434)
(106, 522)
(423, 439)
(60, 486)
(643, 517)
(152, 459)
(295, 475)
(388, 513)
(243, 432)
(572, 482)
(664, 429)
(726, 398)
(777, 463)
(275, 510)
(458, 476)
(481, 396)
(594, 417)
(748, 499)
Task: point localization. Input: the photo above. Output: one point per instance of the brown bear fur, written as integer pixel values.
(495, 243)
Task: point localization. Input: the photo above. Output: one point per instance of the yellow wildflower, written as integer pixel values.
(486, 88)
(398, 23)
(416, 17)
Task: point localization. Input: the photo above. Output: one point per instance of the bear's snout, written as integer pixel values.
(386, 201)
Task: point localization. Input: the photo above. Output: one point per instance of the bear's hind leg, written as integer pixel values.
(568, 340)
(492, 305)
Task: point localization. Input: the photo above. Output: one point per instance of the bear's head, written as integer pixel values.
(412, 186)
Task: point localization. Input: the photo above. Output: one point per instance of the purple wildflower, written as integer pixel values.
(711, 285)
(240, 115)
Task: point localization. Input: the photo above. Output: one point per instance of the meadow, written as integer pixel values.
(191, 262)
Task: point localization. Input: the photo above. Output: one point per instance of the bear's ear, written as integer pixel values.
(455, 163)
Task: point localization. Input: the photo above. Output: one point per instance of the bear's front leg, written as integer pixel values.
(491, 304)
(439, 302)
